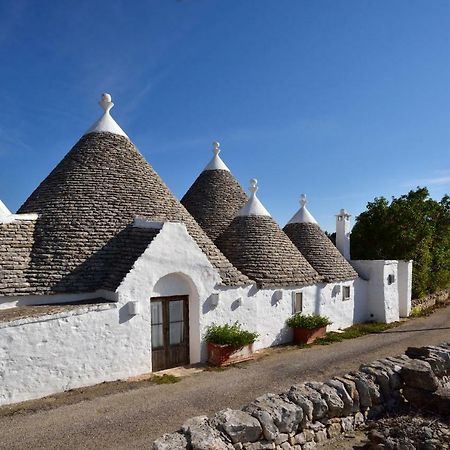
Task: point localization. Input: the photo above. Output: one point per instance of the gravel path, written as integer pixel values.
(132, 419)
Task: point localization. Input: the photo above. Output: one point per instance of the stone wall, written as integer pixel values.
(312, 412)
(431, 300)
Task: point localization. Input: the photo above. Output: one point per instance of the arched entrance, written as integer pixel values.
(170, 321)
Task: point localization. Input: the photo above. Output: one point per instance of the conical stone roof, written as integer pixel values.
(215, 197)
(313, 243)
(86, 206)
(256, 245)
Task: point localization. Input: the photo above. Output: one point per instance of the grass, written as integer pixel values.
(164, 379)
(356, 331)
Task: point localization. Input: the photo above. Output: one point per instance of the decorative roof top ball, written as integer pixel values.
(106, 123)
(253, 207)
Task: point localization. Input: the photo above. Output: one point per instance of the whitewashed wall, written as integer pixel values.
(43, 355)
(405, 287)
(382, 297)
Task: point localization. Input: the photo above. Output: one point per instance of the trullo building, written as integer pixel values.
(104, 274)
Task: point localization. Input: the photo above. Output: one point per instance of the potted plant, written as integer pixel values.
(307, 328)
(229, 344)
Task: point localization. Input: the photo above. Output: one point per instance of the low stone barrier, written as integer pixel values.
(312, 412)
(430, 300)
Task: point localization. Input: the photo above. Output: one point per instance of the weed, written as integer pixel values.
(165, 379)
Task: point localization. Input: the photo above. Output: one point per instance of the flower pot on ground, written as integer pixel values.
(308, 328)
(229, 344)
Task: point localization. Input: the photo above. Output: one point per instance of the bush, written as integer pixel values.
(307, 321)
(230, 334)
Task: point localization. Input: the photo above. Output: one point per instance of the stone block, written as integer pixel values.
(173, 441)
(238, 425)
(276, 415)
(202, 436)
(334, 430)
(436, 402)
(339, 387)
(418, 374)
(320, 436)
(329, 394)
(308, 398)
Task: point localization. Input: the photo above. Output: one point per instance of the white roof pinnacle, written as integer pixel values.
(216, 162)
(106, 122)
(303, 215)
(343, 213)
(253, 207)
(4, 211)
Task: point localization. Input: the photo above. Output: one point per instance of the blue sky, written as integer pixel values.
(343, 100)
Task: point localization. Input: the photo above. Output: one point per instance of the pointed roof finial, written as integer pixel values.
(106, 103)
(303, 215)
(253, 207)
(106, 123)
(303, 200)
(253, 186)
(216, 162)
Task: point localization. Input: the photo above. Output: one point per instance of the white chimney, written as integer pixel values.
(343, 233)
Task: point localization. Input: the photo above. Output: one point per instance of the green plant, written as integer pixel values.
(165, 379)
(230, 334)
(300, 320)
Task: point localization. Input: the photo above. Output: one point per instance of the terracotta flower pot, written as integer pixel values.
(308, 335)
(223, 355)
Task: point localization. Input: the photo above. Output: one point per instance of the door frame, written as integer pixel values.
(166, 330)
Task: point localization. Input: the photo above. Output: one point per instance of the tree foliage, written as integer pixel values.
(413, 226)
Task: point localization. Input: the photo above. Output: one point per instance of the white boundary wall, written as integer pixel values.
(43, 355)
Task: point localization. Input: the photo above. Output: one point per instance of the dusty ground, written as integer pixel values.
(131, 419)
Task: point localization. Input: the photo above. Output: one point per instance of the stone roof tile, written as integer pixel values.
(320, 252)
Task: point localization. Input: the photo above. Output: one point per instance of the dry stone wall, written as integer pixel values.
(312, 412)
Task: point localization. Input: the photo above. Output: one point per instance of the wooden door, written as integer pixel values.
(170, 332)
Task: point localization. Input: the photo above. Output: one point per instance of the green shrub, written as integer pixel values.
(307, 321)
(230, 334)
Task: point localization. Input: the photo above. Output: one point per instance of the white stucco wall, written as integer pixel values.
(382, 297)
(47, 354)
(404, 287)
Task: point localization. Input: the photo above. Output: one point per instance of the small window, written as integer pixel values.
(346, 293)
(391, 278)
(297, 302)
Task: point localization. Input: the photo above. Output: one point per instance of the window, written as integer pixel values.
(297, 302)
(345, 292)
(391, 278)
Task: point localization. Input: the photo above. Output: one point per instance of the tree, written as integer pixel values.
(413, 226)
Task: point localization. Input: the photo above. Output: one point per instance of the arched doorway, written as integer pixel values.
(170, 321)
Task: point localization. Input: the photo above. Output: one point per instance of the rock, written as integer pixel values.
(262, 445)
(418, 374)
(309, 435)
(238, 446)
(359, 420)
(202, 436)
(173, 441)
(339, 387)
(276, 415)
(286, 446)
(282, 437)
(305, 396)
(334, 430)
(363, 390)
(381, 377)
(374, 391)
(309, 445)
(350, 387)
(300, 438)
(320, 436)
(437, 402)
(316, 426)
(334, 402)
(238, 425)
(347, 424)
